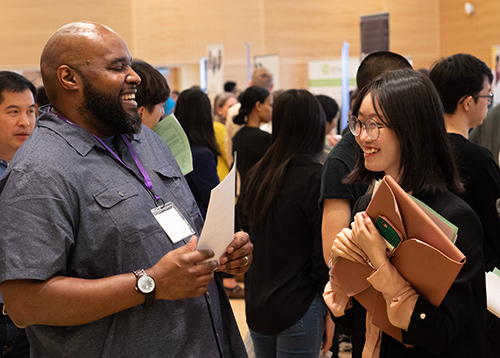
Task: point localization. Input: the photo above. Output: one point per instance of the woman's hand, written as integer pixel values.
(343, 246)
(328, 332)
(366, 236)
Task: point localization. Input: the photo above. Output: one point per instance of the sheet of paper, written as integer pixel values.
(493, 292)
(170, 130)
(218, 230)
(446, 226)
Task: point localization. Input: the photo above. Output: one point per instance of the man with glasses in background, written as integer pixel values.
(464, 85)
(17, 121)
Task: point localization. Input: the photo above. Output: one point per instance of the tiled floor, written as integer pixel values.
(239, 313)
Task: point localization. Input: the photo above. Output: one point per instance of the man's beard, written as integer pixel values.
(109, 111)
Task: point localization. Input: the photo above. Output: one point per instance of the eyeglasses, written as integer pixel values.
(372, 128)
(489, 97)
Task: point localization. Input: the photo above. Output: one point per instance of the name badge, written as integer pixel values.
(172, 222)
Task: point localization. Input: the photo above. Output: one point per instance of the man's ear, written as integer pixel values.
(68, 78)
(466, 103)
(141, 110)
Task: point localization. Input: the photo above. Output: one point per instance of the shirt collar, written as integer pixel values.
(3, 167)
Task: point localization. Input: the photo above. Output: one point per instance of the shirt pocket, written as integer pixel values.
(126, 209)
(181, 195)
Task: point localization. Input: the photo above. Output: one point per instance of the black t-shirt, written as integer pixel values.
(481, 176)
(250, 144)
(339, 163)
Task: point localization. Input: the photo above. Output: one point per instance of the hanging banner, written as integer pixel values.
(325, 77)
(215, 70)
(495, 53)
(374, 33)
(346, 103)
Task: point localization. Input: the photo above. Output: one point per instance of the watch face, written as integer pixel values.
(146, 284)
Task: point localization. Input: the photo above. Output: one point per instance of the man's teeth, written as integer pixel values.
(128, 97)
(369, 151)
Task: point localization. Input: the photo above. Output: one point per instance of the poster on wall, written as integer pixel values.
(495, 53)
(271, 62)
(374, 33)
(215, 69)
(325, 77)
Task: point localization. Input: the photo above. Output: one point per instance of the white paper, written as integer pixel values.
(218, 230)
(493, 293)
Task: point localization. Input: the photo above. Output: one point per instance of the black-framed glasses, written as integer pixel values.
(488, 96)
(372, 128)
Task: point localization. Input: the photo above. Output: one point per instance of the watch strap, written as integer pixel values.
(149, 298)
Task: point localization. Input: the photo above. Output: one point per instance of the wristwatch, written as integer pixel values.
(145, 284)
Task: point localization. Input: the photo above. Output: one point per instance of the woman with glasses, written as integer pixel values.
(284, 308)
(399, 127)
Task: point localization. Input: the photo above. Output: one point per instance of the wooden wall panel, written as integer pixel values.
(174, 33)
(25, 25)
(414, 29)
(474, 34)
(178, 32)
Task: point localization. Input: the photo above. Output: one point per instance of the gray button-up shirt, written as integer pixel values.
(70, 208)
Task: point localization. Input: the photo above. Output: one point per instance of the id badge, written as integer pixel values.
(172, 222)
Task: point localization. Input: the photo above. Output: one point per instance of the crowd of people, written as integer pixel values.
(100, 226)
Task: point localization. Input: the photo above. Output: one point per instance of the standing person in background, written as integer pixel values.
(399, 127)
(250, 142)
(331, 109)
(284, 308)
(488, 133)
(194, 113)
(464, 85)
(151, 93)
(17, 121)
(261, 77)
(222, 103)
(169, 105)
(231, 87)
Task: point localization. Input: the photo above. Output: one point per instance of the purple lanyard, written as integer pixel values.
(147, 180)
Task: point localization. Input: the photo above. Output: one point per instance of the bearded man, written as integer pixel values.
(88, 268)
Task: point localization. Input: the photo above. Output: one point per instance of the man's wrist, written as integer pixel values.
(145, 284)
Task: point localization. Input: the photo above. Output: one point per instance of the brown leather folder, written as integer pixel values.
(426, 258)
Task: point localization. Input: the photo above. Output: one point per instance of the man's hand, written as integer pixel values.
(238, 256)
(182, 273)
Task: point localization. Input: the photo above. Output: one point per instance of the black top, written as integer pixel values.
(339, 163)
(457, 327)
(204, 176)
(250, 144)
(288, 269)
(481, 177)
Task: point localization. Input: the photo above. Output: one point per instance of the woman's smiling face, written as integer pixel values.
(384, 153)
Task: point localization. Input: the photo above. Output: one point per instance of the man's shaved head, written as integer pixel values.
(69, 45)
(86, 70)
